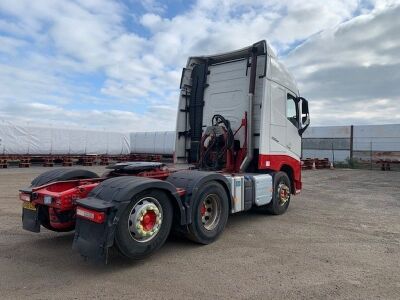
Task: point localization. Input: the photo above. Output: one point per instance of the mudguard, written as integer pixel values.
(191, 181)
(93, 240)
(30, 220)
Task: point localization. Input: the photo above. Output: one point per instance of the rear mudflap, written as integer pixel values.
(30, 220)
(93, 240)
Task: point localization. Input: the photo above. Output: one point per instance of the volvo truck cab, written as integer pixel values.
(258, 96)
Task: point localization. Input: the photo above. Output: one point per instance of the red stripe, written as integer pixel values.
(276, 162)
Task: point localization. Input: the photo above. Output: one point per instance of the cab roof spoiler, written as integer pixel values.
(261, 47)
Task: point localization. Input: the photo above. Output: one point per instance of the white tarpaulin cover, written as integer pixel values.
(162, 142)
(16, 139)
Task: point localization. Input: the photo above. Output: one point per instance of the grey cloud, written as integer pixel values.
(89, 37)
(351, 73)
(354, 83)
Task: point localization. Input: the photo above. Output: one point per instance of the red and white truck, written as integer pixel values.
(239, 127)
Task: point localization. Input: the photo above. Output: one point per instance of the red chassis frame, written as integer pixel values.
(60, 197)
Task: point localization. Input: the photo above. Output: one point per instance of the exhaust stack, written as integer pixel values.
(252, 86)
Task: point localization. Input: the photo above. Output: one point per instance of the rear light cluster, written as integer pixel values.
(25, 197)
(91, 215)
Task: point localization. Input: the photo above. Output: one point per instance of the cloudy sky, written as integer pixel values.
(116, 64)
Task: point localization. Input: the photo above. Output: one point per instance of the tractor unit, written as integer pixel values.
(240, 119)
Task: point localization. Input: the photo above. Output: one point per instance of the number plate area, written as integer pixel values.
(29, 205)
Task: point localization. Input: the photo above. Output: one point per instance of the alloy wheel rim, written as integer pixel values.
(210, 211)
(283, 194)
(145, 219)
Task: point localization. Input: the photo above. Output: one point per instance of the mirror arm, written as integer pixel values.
(304, 109)
(301, 131)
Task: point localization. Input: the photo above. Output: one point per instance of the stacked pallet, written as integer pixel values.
(89, 160)
(24, 162)
(322, 163)
(315, 163)
(67, 161)
(307, 163)
(48, 161)
(386, 163)
(3, 163)
(104, 161)
(146, 157)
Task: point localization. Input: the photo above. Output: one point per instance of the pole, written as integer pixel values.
(351, 141)
(370, 155)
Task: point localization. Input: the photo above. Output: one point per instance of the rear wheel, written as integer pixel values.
(144, 225)
(281, 195)
(209, 213)
(53, 176)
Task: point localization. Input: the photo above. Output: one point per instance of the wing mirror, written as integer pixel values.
(304, 115)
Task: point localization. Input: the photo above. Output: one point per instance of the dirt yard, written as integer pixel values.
(340, 239)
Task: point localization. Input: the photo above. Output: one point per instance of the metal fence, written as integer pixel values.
(373, 154)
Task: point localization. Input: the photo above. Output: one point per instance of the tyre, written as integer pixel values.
(53, 176)
(144, 225)
(210, 212)
(281, 195)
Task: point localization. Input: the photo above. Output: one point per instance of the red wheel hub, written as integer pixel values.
(149, 220)
(203, 209)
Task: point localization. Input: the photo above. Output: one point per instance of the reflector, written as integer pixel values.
(47, 200)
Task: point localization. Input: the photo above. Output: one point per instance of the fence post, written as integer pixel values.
(370, 155)
(351, 141)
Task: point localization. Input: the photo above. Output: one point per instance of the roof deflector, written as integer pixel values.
(237, 54)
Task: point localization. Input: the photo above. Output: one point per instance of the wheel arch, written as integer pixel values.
(121, 190)
(113, 196)
(62, 174)
(290, 173)
(192, 180)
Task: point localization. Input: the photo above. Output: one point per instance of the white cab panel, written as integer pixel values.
(227, 93)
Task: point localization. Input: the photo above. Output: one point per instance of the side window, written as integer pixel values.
(291, 110)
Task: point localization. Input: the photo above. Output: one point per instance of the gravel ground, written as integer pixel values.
(340, 239)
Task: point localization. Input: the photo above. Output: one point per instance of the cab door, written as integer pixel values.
(293, 139)
(278, 118)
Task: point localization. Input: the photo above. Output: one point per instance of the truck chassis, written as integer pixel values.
(149, 201)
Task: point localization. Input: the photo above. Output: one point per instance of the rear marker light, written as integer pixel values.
(91, 215)
(25, 197)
